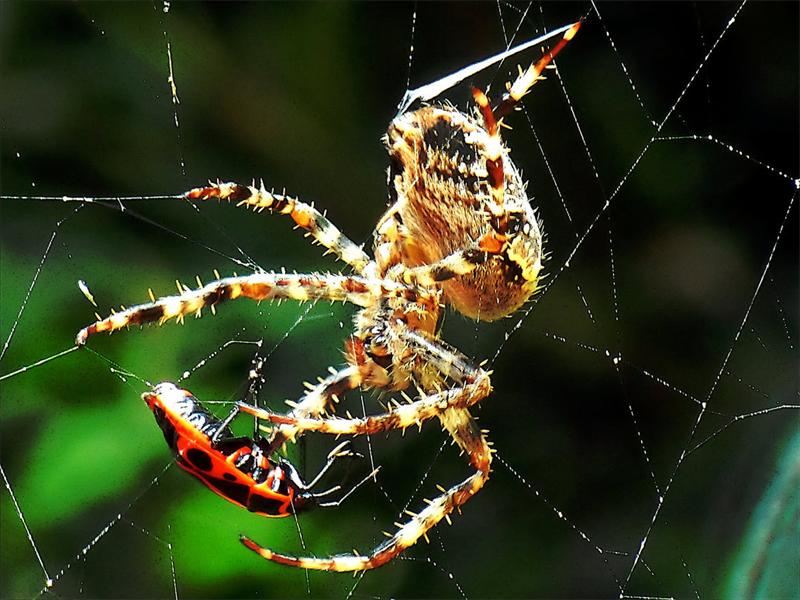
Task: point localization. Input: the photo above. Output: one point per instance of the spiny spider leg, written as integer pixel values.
(458, 263)
(465, 431)
(304, 215)
(400, 416)
(494, 151)
(259, 286)
(314, 403)
(494, 166)
(528, 78)
(472, 384)
(445, 359)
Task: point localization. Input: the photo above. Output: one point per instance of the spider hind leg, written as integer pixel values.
(466, 433)
(472, 384)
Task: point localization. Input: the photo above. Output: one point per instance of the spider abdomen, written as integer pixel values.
(439, 181)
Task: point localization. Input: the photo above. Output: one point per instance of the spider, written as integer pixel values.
(459, 232)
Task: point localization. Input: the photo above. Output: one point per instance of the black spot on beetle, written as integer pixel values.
(237, 492)
(199, 459)
(265, 504)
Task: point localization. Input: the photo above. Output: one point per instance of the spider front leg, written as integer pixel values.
(313, 404)
(400, 416)
(472, 385)
(512, 234)
(304, 215)
(259, 286)
(469, 437)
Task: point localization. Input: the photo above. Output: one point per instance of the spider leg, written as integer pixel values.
(528, 78)
(312, 404)
(465, 431)
(460, 262)
(472, 385)
(497, 213)
(304, 215)
(259, 286)
(400, 416)
(494, 164)
(443, 358)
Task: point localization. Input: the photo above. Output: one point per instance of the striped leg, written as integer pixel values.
(304, 215)
(528, 78)
(494, 164)
(445, 359)
(466, 433)
(459, 423)
(313, 404)
(400, 416)
(458, 263)
(259, 286)
(393, 245)
(496, 209)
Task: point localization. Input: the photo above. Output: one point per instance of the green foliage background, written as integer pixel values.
(299, 94)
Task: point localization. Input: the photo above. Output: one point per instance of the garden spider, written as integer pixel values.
(460, 232)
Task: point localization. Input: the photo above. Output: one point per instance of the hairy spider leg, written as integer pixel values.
(304, 215)
(400, 416)
(259, 286)
(312, 404)
(472, 385)
(494, 151)
(494, 168)
(466, 433)
(460, 262)
(528, 78)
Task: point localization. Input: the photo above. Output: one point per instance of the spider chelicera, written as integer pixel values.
(459, 232)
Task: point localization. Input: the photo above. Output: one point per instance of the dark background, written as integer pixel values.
(300, 95)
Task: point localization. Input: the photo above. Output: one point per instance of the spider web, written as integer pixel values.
(641, 401)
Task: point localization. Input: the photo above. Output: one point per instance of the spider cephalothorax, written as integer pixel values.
(459, 231)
